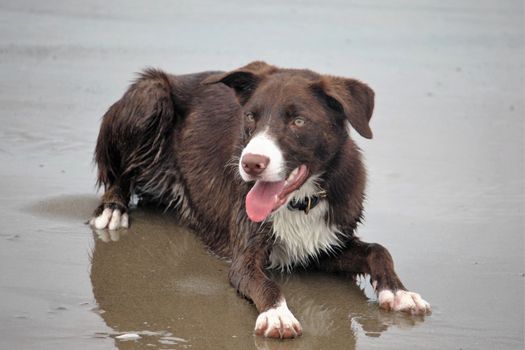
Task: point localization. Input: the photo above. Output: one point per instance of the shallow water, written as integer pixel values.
(446, 174)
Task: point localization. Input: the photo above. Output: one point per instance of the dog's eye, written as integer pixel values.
(249, 116)
(298, 122)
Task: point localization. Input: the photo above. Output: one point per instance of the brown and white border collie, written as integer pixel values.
(259, 162)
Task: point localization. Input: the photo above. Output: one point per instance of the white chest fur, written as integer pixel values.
(298, 236)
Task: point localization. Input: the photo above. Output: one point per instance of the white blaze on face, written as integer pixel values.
(263, 144)
(349, 128)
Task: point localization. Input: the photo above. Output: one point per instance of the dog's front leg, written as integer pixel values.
(248, 277)
(374, 260)
(112, 213)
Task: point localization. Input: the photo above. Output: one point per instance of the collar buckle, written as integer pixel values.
(308, 203)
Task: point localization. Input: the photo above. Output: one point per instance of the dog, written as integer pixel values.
(259, 162)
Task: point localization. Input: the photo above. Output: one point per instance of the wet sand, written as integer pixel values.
(446, 173)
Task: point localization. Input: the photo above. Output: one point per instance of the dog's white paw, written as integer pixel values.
(278, 322)
(112, 219)
(403, 300)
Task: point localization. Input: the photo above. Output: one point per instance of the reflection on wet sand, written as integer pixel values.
(158, 281)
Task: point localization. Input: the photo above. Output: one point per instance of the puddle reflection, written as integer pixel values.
(157, 280)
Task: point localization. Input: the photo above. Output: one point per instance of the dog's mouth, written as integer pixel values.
(266, 197)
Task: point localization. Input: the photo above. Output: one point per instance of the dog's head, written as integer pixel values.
(294, 124)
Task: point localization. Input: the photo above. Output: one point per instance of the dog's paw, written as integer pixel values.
(403, 300)
(111, 218)
(278, 322)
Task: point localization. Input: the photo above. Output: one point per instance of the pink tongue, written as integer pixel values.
(262, 198)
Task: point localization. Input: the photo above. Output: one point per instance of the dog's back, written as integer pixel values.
(168, 139)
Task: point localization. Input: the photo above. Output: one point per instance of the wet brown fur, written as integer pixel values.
(187, 132)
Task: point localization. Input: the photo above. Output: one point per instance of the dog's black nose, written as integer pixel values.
(254, 164)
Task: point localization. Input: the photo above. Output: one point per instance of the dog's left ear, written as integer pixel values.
(351, 97)
(244, 80)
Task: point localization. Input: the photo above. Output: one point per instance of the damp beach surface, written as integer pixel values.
(445, 190)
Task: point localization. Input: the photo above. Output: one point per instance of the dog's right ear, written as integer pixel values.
(244, 80)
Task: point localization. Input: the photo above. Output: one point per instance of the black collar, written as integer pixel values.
(308, 203)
